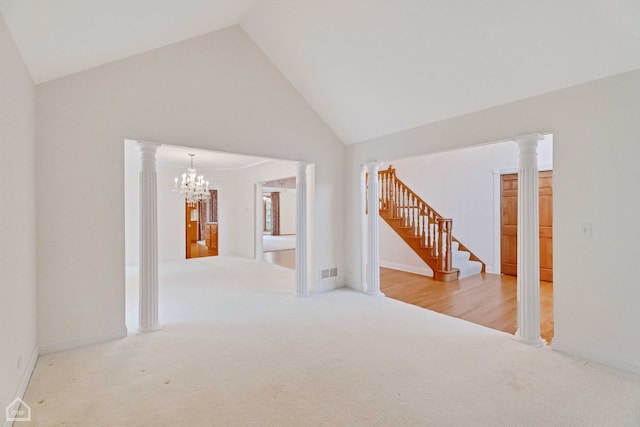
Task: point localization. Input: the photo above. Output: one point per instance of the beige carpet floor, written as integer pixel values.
(237, 349)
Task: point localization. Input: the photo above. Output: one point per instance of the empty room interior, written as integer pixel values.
(272, 212)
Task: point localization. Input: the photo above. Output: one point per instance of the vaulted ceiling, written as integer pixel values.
(61, 37)
(368, 67)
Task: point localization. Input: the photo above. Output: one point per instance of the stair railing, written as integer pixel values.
(422, 221)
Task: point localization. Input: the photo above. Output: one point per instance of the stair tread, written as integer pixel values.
(461, 264)
(470, 268)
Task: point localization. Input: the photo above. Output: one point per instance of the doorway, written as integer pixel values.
(473, 200)
(201, 227)
(279, 222)
(509, 224)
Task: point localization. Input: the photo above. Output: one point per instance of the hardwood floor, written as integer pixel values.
(200, 251)
(485, 299)
(285, 258)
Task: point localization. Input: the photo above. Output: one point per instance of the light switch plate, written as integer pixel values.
(585, 229)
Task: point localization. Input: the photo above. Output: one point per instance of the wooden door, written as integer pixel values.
(545, 202)
(212, 238)
(509, 224)
(191, 230)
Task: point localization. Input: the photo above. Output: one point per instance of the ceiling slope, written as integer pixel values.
(372, 68)
(61, 37)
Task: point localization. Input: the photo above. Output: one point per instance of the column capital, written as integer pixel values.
(374, 164)
(528, 138)
(301, 167)
(147, 146)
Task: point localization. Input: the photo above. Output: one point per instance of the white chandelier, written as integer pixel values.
(194, 188)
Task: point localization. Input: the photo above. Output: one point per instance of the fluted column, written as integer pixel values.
(148, 283)
(259, 222)
(528, 242)
(373, 255)
(363, 228)
(301, 229)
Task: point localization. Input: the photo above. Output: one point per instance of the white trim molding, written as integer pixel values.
(595, 356)
(302, 282)
(259, 225)
(24, 381)
(363, 228)
(85, 340)
(423, 271)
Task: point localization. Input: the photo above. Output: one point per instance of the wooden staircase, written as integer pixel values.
(427, 232)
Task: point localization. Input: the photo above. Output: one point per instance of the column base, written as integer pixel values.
(363, 287)
(140, 331)
(534, 342)
(374, 293)
(302, 294)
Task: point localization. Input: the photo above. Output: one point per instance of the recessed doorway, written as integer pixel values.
(201, 227)
(473, 200)
(279, 222)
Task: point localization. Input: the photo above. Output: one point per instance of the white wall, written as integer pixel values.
(458, 184)
(17, 222)
(287, 212)
(217, 92)
(595, 130)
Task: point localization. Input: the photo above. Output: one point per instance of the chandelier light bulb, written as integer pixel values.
(193, 186)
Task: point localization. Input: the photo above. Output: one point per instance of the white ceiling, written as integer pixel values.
(61, 37)
(369, 68)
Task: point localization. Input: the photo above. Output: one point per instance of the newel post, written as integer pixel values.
(528, 242)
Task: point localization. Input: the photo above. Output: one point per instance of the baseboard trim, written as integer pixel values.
(423, 271)
(320, 287)
(24, 381)
(81, 341)
(26, 375)
(493, 269)
(594, 356)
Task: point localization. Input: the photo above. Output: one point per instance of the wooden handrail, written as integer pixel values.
(421, 220)
(391, 172)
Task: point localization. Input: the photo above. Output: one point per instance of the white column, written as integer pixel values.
(373, 256)
(528, 242)
(301, 230)
(259, 221)
(363, 228)
(148, 283)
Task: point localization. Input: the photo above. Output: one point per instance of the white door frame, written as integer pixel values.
(305, 208)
